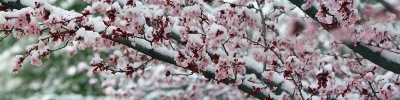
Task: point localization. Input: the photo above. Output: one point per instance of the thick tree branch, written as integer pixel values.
(368, 52)
(208, 74)
(12, 5)
(388, 7)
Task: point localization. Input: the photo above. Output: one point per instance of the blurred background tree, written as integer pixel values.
(60, 74)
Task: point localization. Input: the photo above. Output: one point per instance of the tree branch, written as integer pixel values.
(12, 5)
(384, 60)
(208, 74)
(388, 7)
(165, 58)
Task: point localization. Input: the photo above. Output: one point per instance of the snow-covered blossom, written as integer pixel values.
(35, 58)
(87, 38)
(17, 63)
(307, 5)
(2, 19)
(96, 60)
(261, 47)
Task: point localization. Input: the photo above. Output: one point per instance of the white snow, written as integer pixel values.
(369, 76)
(97, 23)
(89, 36)
(192, 9)
(388, 55)
(71, 25)
(143, 43)
(230, 1)
(165, 51)
(288, 86)
(110, 29)
(2, 19)
(156, 94)
(96, 60)
(328, 68)
(215, 27)
(34, 54)
(177, 29)
(327, 59)
(276, 77)
(251, 63)
(59, 12)
(384, 78)
(16, 13)
(148, 32)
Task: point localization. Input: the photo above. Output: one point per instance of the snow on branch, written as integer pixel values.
(89, 38)
(162, 57)
(264, 48)
(385, 60)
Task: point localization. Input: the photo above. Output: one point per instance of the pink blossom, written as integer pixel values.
(307, 5)
(35, 58)
(17, 63)
(188, 46)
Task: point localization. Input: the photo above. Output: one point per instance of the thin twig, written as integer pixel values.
(6, 34)
(65, 45)
(182, 74)
(373, 90)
